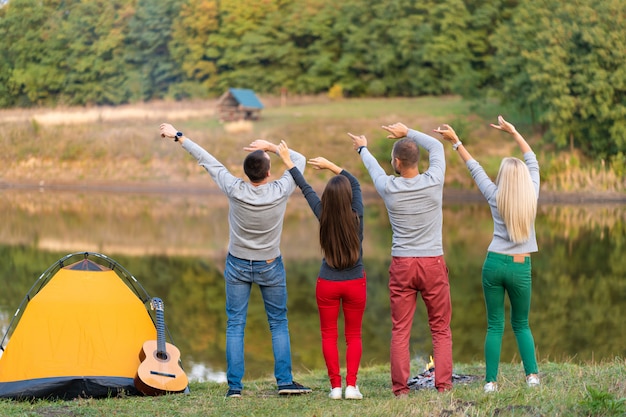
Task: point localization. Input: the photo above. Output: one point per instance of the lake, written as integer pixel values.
(175, 243)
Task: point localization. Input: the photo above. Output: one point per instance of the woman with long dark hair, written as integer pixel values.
(507, 267)
(341, 281)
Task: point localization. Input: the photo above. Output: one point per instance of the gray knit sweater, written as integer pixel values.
(414, 205)
(255, 213)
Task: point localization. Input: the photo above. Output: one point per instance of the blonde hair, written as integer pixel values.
(516, 199)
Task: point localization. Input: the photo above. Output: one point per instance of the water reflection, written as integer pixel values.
(175, 246)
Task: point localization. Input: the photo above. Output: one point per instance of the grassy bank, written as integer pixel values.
(593, 389)
(122, 145)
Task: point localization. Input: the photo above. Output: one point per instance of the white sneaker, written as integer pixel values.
(533, 380)
(335, 393)
(353, 393)
(491, 387)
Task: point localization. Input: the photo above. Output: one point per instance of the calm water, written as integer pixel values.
(175, 246)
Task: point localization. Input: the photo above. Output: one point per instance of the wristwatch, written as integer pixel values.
(178, 136)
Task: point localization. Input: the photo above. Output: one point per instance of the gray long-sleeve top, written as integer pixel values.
(326, 271)
(501, 242)
(414, 205)
(255, 213)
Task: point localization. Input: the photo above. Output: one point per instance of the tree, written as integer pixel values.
(191, 46)
(147, 52)
(566, 63)
(255, 51)
(485, 16)
(92, 41)
(30, 75)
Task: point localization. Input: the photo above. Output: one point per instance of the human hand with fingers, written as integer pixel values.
(447, 133)
(358, 141)
(323, 163)
(167, 130)
(283, 151)
(261, 144)
(504, 126)
(396, 130)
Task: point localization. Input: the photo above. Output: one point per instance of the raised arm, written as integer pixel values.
(283, 152)
(505, 126)
(436, 157)
(377, 173)
(323, 163)
(295, 158)
(450, 135)
(220, 174)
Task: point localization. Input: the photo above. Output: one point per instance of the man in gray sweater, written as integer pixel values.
(414, 206)
(255, 216)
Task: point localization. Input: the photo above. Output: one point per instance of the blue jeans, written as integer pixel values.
(239, 275)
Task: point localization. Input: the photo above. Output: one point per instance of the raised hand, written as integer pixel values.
(504, 126)
(283, 151)
(447, 133)
(261, 144)
(167, 130)
(323, 163)
(358, 141)
(396, 130)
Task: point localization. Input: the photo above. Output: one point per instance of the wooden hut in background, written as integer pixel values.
(239, 104)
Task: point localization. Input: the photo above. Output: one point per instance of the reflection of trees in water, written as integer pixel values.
(175, 246)
(570, 221)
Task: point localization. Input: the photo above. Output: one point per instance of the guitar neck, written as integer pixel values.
(160, 324)
(160, 327)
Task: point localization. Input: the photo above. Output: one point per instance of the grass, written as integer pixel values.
(122, 144)
(568, 389)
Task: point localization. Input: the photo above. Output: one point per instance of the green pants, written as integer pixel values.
(502, 274)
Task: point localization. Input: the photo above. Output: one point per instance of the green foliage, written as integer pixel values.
(561, 63)
(566, 63)
(602, 403)
(92, 38)
(192, 48)
(152, 69)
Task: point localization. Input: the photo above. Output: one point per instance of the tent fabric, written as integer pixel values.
(80, 335)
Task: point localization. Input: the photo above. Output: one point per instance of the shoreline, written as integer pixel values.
(449, 195)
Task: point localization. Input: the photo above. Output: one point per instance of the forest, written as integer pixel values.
(561, 63)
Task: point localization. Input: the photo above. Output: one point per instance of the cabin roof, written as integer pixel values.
(245, 97)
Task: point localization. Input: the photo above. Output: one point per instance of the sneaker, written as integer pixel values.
(293, 389)
(335, 393)
(233, 393)
(353, 393)
(491, 387)
(533, 380)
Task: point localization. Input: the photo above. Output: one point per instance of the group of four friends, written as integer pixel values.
(414, 205)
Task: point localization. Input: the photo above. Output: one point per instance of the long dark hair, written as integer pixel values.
(339, 225)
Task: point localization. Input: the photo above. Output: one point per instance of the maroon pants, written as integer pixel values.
(429, 277)
(351, 295)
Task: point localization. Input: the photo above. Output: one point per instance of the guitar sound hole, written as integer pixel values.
(162, 356)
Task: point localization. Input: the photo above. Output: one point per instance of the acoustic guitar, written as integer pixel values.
(160, 372)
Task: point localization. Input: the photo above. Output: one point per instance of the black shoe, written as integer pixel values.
(293, 389)
(233, 393)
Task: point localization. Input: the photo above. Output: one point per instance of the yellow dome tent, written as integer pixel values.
(79, 333)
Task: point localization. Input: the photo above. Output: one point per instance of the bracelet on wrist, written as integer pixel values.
(456, 145)
(360, 148)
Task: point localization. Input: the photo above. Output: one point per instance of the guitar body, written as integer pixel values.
(160, 372)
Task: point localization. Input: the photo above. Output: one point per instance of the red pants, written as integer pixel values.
(429, 277)
(351, 295)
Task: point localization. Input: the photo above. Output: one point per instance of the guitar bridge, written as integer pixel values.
(162, 374)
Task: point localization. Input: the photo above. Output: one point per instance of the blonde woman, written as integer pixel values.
(507, 267)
